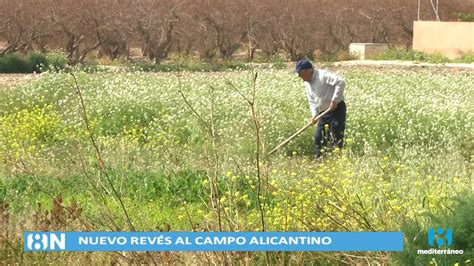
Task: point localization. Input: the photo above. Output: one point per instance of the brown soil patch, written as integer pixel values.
(11, 80)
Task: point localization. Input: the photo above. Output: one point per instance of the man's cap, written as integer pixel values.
(303, 64)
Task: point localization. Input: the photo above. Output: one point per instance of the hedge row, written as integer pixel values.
(32, 62)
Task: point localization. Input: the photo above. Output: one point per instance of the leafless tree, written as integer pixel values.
(75, 30)
(297, 29)
(16, 26)
(212, 27)
(222, 25)
(111, 25)
(155, 23)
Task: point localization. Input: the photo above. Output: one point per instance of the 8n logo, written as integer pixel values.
(440, 237)
(44, 241)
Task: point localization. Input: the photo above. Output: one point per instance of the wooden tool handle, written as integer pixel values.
(297, 133)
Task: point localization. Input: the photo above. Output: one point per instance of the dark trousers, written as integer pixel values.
(336, 121)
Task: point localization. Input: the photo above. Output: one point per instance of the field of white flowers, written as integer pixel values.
(179, 152)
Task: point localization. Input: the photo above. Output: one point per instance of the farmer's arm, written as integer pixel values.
(313, 106)
(339, 85)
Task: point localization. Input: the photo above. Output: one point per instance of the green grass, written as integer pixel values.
(412, 55)
(466, 17)
(409, 148)
(191, 66)
(467, 58)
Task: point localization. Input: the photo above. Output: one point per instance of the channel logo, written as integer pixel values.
(45, 241)
(440, 240)
(441, 237)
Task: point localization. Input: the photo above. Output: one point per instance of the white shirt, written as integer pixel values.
(323, 88)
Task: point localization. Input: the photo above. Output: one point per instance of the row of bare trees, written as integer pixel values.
(210, 28)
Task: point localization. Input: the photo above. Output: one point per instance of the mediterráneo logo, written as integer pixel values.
(442, 237)
(440, 240)
(213, 241)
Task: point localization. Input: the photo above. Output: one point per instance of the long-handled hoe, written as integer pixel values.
(297, 133)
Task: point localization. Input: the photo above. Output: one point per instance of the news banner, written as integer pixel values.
(213, 241)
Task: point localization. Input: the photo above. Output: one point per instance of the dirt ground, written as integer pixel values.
(10, 80)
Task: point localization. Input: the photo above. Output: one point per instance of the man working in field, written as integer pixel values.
(324, 90)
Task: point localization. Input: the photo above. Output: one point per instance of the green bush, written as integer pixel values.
(190, 66)
(411, 55)
(37, 62)
(465, 17)
(33, 62)
(466, 58)
(14, 63)
(459, 219)
(56, 61)
(279, 63)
